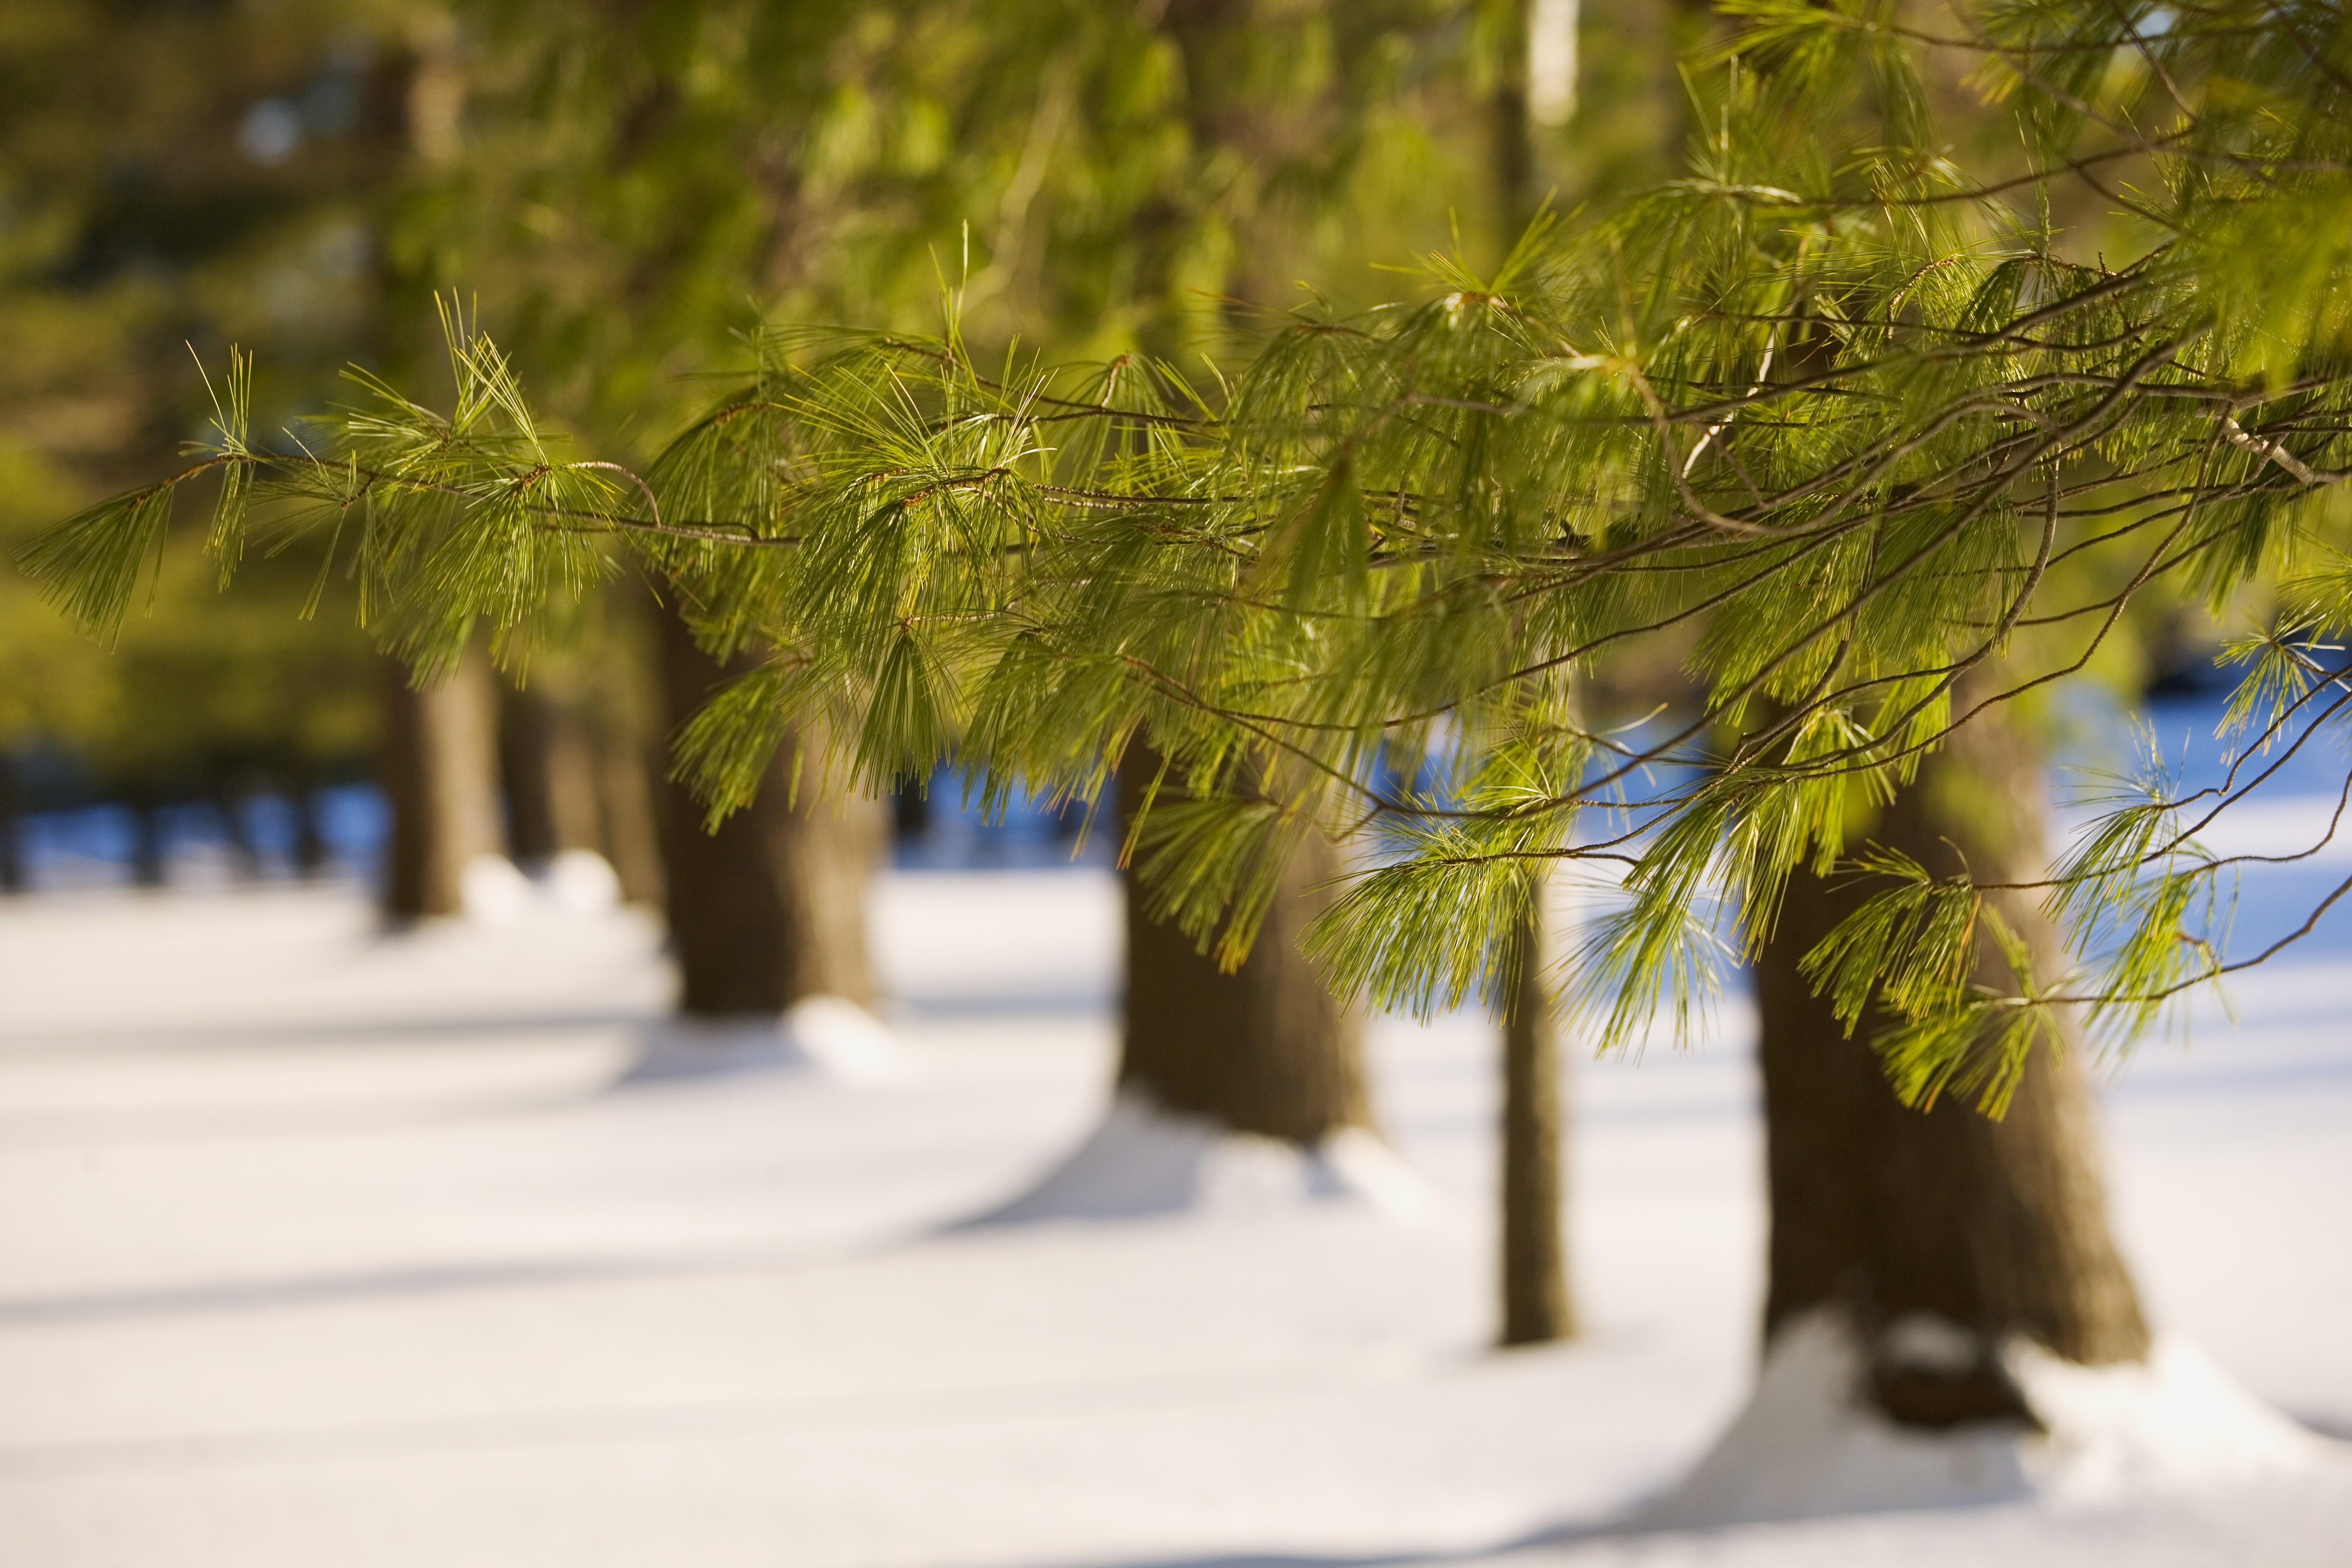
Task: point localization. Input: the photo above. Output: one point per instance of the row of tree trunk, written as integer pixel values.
(1879, 1212)
(767, 911)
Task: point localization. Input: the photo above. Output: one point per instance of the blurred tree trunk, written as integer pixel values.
(1511, 142)
(12, 847)
(626, 811)
(1887, 1213)
(236, 833)
(440, 775)
(910, 809)
(1533, 1254)
(310, 840)
(1267, 1049)
(1537, 1306)
(148, 853)
(771, 909)
(549, 775)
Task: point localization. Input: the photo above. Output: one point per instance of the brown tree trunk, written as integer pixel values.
(1537, 1307)
(626, 813)
(236, 835)
(150, 855)
(1534, 1256)
(440, 774)
(550, 774)
(1267, 1049)
(12, 852)
(1511, 142)
(771, 909)
(1887, 1213)
(311, 849)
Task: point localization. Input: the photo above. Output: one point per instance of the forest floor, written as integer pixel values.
(324, 1249)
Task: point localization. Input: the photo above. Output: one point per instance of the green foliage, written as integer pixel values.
(132, 223)
(1861, 408)
(448, 520)
(639, 188)
(94, 558)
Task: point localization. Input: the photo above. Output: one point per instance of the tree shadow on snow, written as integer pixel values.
(1538, 1541)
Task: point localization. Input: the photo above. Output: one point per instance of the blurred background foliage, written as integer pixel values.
(626, 192)
(175, 178)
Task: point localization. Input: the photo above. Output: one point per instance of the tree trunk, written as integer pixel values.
(1267, 1049)
(771, 909)
(310, 847)
(12, 847)
(440, 774)
(1892, 1215)
(550, 776)
(1536, 1303)
(1536, 1306)
(628, 814)
(910, 809)
(236, 833)
(149, 856)
(1511, 142)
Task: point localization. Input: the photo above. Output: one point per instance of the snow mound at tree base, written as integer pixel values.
(495, 891)
(1808, 1445)
(1141, 1161)
(828, 1036)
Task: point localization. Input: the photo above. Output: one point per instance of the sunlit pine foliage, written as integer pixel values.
(1898, 443)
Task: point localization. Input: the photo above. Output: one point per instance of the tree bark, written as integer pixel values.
(237, 834)
(1537, 1306)
(149, 855)
(1511, 142)
(1534, 1256)
(440, 774)
(548, 774)
(1267, 1049)
(628, 814)
(769, 908)
(1890, 1215)
(310, 847)
(12, 847)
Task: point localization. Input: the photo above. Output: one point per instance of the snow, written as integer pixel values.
(1803, 1445)
(580, 881)
(493, 890)
(827, 1034)
(324, 1245)
(1142, 1160)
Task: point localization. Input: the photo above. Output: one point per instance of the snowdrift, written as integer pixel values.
(1141, 1161)
(1808, 1446)
(497, 892)
(825, 1036)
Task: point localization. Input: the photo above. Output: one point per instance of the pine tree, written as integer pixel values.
(1983, 449)
(1533, 61)
(441, 780)
(1885, 1216)
(768, 907)
(1932, 1238)
(1264, 1048)
(146, 215)
(1901, 435)
(1217, 132)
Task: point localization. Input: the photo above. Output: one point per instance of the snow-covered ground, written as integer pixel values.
(324, 1249)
